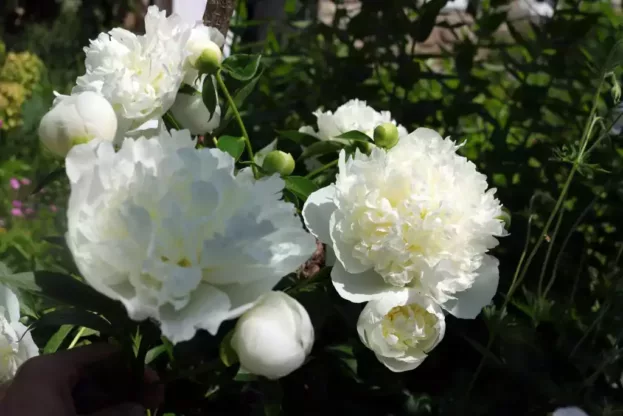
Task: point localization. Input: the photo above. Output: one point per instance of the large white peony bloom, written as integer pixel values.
(175, 235)
(138, 75)
(401, 328)
(415, 216)
(354, 115)
(274, 338)
(16, 344)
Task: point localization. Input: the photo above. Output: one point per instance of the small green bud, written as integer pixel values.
(209, 61)
(364, 147)
(278, 162)
(505, 217)
(386, 135)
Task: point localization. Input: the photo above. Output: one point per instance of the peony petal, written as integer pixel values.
(343, 251)
(206, 310)
(10, 303)
(400, 365)
(317, 213)
(470, 302)
(360, 287)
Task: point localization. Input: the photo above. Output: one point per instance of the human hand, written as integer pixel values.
(68, 382)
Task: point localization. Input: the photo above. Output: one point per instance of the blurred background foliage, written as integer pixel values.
(514, 87)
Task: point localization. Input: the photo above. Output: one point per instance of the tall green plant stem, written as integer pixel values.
(522, 269)
(234, 109)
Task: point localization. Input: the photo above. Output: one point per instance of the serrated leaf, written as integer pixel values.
(355, 135)
(300, 186)
(232, 145)
(243, 67)
(209, 96)
(298, 137)
(57, 339)
(321, 148)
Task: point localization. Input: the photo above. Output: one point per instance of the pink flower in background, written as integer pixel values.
(53, 208)
(29, 211)
(17, 204)
(17, 212)
(14, 183)
(25, 181)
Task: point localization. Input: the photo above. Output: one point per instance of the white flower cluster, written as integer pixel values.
(16, 344)
(410, 228)
(131, 80)
(178, 235)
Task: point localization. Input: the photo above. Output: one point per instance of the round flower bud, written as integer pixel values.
(506, 218)
(274, 337)
(401, 328)
(77, 119)
(386, 135)
(210, 59)
(278, 162)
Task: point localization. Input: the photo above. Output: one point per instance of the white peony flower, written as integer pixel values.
(354, 115)
(77, 119)
(138, 75)
(401, 328)
(415, 216)
(175, 235)
(569, 411)
(190, 111)
(274, 338)
(16, 344)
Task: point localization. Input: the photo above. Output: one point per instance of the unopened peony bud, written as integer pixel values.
(190, 111)
(77, 119)
(274, 337)
(386, 135)
(278, 162)
(506, 217)
(203, 48)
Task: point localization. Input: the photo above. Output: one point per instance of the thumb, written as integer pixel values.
(125, 409)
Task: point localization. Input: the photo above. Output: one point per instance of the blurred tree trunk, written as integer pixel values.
(218, 14)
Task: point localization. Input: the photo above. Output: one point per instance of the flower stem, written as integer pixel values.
(234, 109)
(321, 169)
(76, 338)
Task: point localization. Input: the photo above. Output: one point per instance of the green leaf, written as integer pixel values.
(188, 90)
(298, 137)
(77, 317)
(226, 352)
(427, 18)
(208, 95)
(239, 98)
(57, 339)
(300, 186)
(170, 122)
(49, 178)
(321, 148)
(243, 67)
(70, 291)
(232, 145)
(355, 135)
(25, 281)
(154, 353)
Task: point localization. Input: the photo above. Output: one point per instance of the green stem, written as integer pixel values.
(76, 338)
(321, 169)
(234, 109)
(522, 269)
